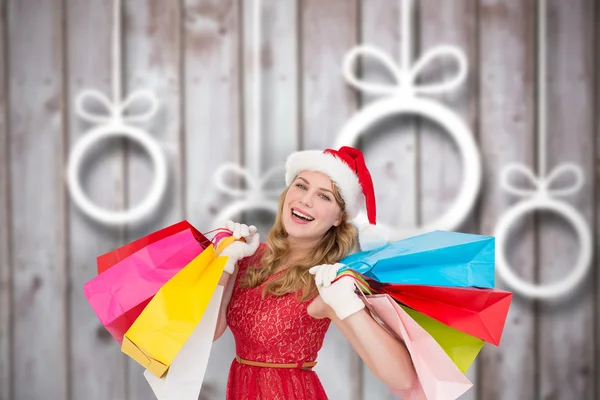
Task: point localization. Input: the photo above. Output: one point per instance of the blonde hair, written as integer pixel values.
(336, 244)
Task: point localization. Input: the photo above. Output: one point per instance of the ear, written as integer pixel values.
(339, 219)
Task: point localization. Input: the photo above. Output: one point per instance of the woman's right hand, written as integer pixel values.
(239, 249)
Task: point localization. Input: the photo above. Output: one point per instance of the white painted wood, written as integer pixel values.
(389, 147)
(280, 88)
(328, 32)
(48, 249)
(5, 271)
(37, 200)
(566, 348)
(440, 172)
(212, 132)
(595, 177)
(98, 366)
(152, 44)
(506, 135)
(278, 95)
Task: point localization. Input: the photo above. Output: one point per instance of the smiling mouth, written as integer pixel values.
(301, 215)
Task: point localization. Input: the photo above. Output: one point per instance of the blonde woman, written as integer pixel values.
(279, 298)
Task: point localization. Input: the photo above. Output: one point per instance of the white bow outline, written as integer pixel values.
(540, 195)
(256, 186)
(405, 77)
(255, 196)
(115, 123)
(116, 110)
(543, 197)
(404, 95)
(541, 186)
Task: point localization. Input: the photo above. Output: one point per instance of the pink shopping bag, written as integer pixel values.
(119, 294)
(438, 377)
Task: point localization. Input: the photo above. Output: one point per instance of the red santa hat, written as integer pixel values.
(347, 169)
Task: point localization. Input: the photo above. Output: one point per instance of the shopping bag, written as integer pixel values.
(120, 293)
(479, 312)
(160, 331)
(462, 348)
(438, 377)
(111, 258)
(183, 380)
(437, 258)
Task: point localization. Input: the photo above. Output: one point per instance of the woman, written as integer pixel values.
(279, 299)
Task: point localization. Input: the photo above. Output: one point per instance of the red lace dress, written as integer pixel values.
(272, 330)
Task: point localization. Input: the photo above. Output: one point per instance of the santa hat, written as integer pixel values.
(347, 169)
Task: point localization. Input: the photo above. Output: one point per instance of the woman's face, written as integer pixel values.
(310, 208)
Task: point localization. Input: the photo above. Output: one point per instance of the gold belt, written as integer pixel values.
(301, 365)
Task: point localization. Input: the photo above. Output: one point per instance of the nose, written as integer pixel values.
(307, 199)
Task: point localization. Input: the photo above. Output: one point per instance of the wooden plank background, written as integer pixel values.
(328, 29)
(5, 277)
(506, 114)
(97, 367)
(196, 55)
(564, 328)
(39, 266)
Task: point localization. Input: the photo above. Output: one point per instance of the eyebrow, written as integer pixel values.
(326, 190)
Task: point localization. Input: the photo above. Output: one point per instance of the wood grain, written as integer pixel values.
(440, 172)
(328, 32)
(196, 55)
(280, 88)
(506, 132)
(39, 273)
(152, 43)
(278, 108)
(390, 145)
(212, 132)
(98, 366)
(5, 262)
(595, 177)
(566, 350)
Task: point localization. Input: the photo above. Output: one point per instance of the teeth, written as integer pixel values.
(300, 215)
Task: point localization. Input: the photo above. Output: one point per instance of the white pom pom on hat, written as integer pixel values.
(347, 169)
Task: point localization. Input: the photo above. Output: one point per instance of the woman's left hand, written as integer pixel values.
(339, 295)
(387, 357)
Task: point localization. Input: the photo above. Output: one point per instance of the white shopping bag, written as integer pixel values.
(184, 378)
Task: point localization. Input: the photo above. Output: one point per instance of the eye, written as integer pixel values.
(325, 197)
(301, 186)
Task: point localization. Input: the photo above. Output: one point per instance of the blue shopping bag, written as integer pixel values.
(438, 258)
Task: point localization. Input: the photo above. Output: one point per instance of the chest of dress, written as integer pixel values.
(266, 318)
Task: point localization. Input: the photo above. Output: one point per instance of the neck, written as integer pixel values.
(301, 248)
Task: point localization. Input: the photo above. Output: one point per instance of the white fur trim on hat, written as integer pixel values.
(340, 173)
(371, 237)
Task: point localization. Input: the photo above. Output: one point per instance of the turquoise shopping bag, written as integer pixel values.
(438, 258)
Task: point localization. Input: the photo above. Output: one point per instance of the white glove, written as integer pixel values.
(238, 250)
(340, 296)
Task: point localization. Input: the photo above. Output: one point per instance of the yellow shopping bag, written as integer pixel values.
(461, 347)
(171, 316)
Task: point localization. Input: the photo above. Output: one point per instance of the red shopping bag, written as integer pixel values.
(478, 312)
(107, 260)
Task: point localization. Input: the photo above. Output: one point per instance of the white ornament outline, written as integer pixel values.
(256, 197)
(116, 123)
(402, 98)
(543, 197)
